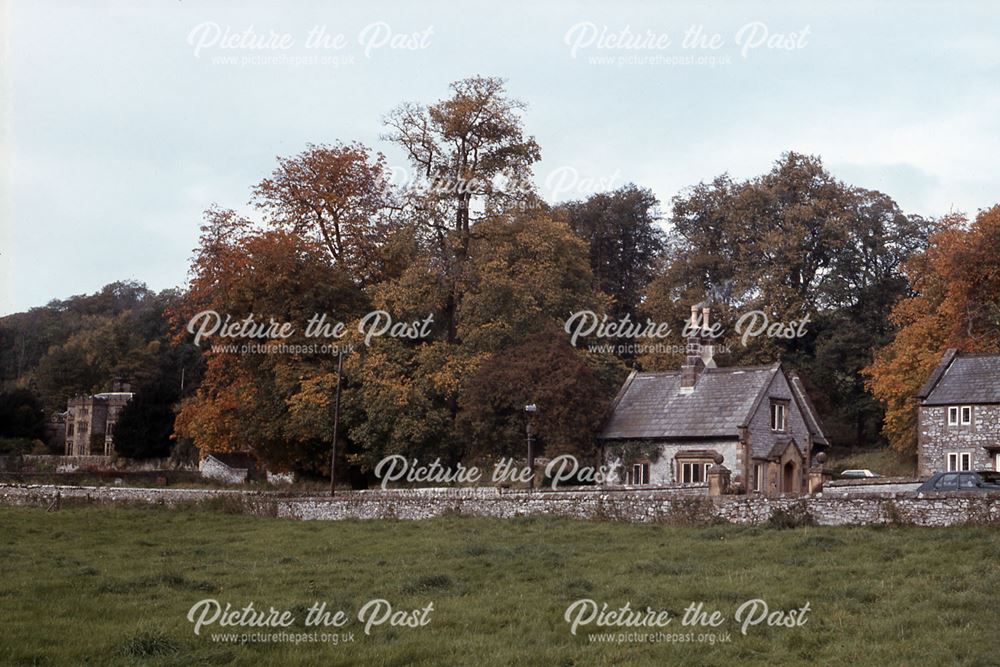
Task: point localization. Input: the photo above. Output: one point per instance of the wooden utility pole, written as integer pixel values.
(336, 424)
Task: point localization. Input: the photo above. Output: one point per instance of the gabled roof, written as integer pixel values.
(963, 378)
(808, 410)
(780, 445)
(651, 405)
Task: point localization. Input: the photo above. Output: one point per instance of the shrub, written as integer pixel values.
(794, 516)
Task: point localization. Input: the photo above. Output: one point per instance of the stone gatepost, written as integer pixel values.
(718, 477)
(817, 476)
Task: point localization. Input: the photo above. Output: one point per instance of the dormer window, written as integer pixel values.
(779, 415)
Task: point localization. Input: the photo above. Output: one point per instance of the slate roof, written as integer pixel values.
(778, 448)
(963, 378)
(808, 410)
(651, 405)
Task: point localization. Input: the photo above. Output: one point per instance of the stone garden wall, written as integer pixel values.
(871, 485)
(42, 463)
(655, 506)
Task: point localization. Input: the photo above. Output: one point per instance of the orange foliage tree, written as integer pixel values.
(264, 403)
(956, 303)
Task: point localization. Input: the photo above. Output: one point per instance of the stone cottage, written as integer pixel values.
(666, 428)
(90, 421)
(958, 421)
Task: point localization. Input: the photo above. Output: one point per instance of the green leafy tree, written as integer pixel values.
(794, 243)
(21, 415)
(624, 241)
(146, 423)
(543, 370)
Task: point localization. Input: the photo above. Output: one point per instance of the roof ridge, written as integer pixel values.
(758, 367)
(774, 368)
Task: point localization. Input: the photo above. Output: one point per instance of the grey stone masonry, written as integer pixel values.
(936, 438)
(662, 506)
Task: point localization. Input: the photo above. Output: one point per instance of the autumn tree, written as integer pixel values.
(956, 303)
(340, 193)
(471, 163)
(265, 403)
(528, 271)
(525, 273)
(470, 160)
(469, 154)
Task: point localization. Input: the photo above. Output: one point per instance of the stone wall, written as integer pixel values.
(655, 506)
(37, 494)
(51, 463)
(936, 439)
(844, 487)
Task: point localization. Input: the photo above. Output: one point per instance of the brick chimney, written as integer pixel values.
(700, 349)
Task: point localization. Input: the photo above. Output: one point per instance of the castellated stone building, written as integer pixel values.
(90, 420)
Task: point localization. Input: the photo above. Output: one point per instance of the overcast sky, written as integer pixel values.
(124, 121)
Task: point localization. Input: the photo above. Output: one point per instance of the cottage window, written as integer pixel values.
(778, 421)
(966, 415)
(959, 461)
(758, 477)
(996, 461)
(640, 473)
(953, 416)
(693, 472)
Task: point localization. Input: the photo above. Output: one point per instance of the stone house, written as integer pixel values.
(958, 420)
(90, 421)
(666, 428)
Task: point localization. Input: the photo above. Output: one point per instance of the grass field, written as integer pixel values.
(114, 586)
(884, 462)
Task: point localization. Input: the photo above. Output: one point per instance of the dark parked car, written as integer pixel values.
(983, 481)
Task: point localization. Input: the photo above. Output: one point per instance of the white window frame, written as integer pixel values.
(966, 410)
(758, 476)
(959, 461)
(640, 474)
(779, 417)
(952, 415)
(687, 471)
(996, 461)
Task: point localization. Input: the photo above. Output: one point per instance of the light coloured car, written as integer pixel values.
(858, 474)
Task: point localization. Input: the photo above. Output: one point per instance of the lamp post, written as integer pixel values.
(530, 410)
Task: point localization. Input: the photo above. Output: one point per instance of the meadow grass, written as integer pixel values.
(113, 586)
(884, 462)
